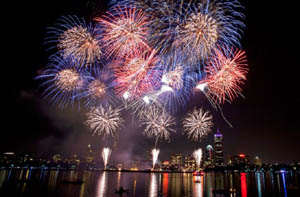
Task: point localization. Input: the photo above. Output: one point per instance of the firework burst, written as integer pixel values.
(197, 124)
(76, 40)
(158, 123)
(124, 30)
(136, 76)
(203, 25)
(99, 88)
(180, 80)
(64, 81)
(104, 121)
(226, 71)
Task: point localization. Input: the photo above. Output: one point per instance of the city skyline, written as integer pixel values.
(264, 123)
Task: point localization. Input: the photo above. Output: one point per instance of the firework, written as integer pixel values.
(204, 25)
(99, 88)
(180, 81)
(136, 76)
(162, 15)
(158, 123)
(226, 71)
(124, 31)
(105, 155)
(155, 153)
(197, 124)
(76, 40)
(198, 156)
(174, 78)
(104, 121)
(64, 81)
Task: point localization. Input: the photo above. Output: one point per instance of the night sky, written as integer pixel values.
(265, 123)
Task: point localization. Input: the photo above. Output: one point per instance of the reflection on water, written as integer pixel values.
(35, 183)
(153, 187)
(243, 184)
(102, 185)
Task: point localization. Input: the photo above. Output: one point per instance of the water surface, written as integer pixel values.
(46, 183)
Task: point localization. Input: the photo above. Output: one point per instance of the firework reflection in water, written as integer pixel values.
(105, 155)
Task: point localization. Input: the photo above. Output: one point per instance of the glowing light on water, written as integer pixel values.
(105, 155)
(155, 153)
(153, 190)
(102, 186)
(198, 155)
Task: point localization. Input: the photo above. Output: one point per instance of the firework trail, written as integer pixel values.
(197, 154)
(124, 30)
(140, 105)
(197, 124)
(63, 81)
(157, 122)
(104, 121)
(105, 155)
(137, 75)
(226, 71)
(76, 40)
(155, 153)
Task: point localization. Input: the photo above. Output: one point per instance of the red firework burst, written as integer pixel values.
(124, 30)
(226, 71)
(136, 74)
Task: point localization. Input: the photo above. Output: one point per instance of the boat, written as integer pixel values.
(198, 173)
(121, 192)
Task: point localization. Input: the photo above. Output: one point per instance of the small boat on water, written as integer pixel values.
(198, 173)
(121, 191)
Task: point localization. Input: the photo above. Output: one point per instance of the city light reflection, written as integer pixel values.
(283, 182)
(165, 184)
(244, 184)
(258, 184)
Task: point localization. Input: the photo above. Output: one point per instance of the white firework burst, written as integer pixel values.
(197, 124)
(104, 121)
(158, 123)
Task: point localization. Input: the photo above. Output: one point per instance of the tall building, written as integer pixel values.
(189, 162)
(209, 155)
(176, 160)
(218, 145)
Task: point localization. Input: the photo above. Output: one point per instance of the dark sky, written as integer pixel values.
(264, 123)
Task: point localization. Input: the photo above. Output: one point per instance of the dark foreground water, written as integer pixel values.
(46, 183)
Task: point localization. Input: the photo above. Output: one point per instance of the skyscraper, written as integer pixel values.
(218, 143)
(209, 155)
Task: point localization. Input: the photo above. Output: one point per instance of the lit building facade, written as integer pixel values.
(176, 161)
(189, 162)
(257, 161)
(209, 156)
(218, 145)
(240, 159)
